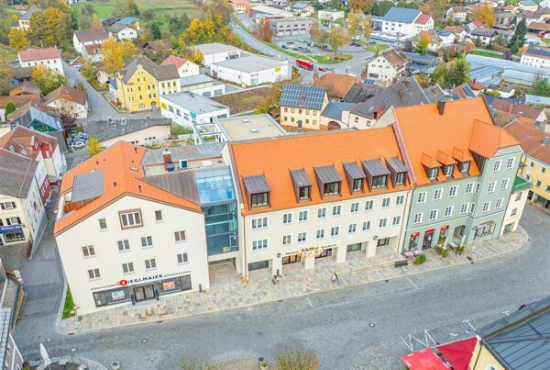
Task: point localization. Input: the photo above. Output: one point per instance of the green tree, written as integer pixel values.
(458, 72)
(37, 26)
(421, 47)
(541, 86)
(18, 39)
(155, 31)
(337, 4)
(147, 15)
(518, 39)
(94, 147)
(439, 73)
(381, 8)
(88, 70)
(127, 8)
(10, 108)
(336, 39)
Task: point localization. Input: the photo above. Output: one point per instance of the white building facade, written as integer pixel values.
(251, 71)
(49, 58)
(188, 109)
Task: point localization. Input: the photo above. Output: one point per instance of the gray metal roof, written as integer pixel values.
(335, 109)
(34, 114)
(541, 52)
(403, 15)
(535, 99)
(182, 184)
(256, 184)
(302, 96)
(195, 80)
(353, 170)
(195, 103)
(16, 174)
(358, 93)
(396, 164)
(251, 64)
(300, 178)
(188, 152)
(215, 48)
(27, 15)
(504, 64)
(327, 174)
(521, 340)
(375, 167)
(88, 186)
(105, 130)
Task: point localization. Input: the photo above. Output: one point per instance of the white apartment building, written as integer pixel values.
(323, 203)
(404, 22)
(251, 70)
(536, 57)
(387, 67)
(186, 68)
(92, 36)
(189, 109)
(142, 242)
(330, 14)
(49, 58)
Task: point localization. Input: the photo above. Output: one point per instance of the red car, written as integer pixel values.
(321, 69)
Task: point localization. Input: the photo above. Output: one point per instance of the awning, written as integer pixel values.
(459, 353)
(425, 359)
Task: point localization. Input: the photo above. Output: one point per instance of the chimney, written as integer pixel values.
(441, 107)
(167, 156)
(545, 141)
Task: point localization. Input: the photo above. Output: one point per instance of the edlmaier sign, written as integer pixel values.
(139, 280)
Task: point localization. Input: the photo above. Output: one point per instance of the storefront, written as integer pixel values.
(12, 234)
(428, 238)
(413, 241)
(142, 289)
(294, 258)
(443, 235)
(486, 228)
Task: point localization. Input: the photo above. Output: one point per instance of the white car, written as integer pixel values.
(78, 145)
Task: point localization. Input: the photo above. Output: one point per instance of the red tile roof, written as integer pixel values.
(422, 19)
(66, 93)
(177, 61)
(30, 55)
(531, 140)
(22, 140)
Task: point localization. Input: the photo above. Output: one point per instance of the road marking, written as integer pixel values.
(413, 284)
(308, 301)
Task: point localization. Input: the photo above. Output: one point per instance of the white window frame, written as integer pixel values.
(287, 219)
(434, 217)
(422, 197)
(260, 245)
(486, 207)
(366, 226)
(383, 223)
(334, 234)
(453, 191)
(497, 165)
(320, 234)
(148, 242)
(88, 251)
(469, 188)
(152, 262)
(287, 239)
(440, 192)
(322, 213)
(504, 184)
(464, 208)
(450, 214)
(183, 258)
(369, 205)
(498, 203)
(396, 221)
(94, 274)
(337, 214)
(125, 243)
(386, 202)
(129, 266)
(354, 207)
(304, 233)
(417, 219)
(178, 236)
(510, 163)
(259, 223)
(305, 214)
(399, 200)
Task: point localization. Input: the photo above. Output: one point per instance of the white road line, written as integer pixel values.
(308, 301)
(413, 284)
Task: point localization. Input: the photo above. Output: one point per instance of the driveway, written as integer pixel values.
(360, 327)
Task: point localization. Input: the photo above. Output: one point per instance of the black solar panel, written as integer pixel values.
(544, 53)
(302, 96)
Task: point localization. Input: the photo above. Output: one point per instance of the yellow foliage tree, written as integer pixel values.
(484, 13)
(114, 52)
(94, 147)
(51, 23)
(96, 22)
(18, 39)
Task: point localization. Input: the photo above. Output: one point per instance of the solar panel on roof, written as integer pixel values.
(542, 52)
(303, 96)
(368, 82)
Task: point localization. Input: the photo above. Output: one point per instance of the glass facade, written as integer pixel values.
(218, 202)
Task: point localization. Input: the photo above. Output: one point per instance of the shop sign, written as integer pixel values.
(487, 222)
(429, 231)
(414, 235)
(7, 229)
(139, 280)
(445, 227)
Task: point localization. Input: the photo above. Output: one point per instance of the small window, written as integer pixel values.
(366, 226)
(464, 208)
(448, 170)
(422, 197)
(302, 216)
(432, 173)
(102, 224)
(400, 178)
(335, 231)
(498, 204)
(486, 207)
(287, 239)
(128, 268)
(477, 188)
(304, 192)
(369, 204)
(150, 264)
(146, 241)
(510, 163)
(496, 166)
(88, 251)
(158, 216)
(449, 211)
(259, 223)
(320, 234)
(469, 187)
(433, 214)
(379, 181)
(302, 237)
(179, 236)
(514, 212)
(332, 188)
(383, 223)
(518, 196)
(130, 219)
(492, 186)
(438, 194)
(357, 184)
(472, 208)
(399, 200)
(504, 184)
(259, 244)
(336, 210)
(322, 213)
(182, 258)
(354, 207)
(418, 218)
(257, 200)
(352, 228)
(123, 245)
(94, 274)
(453, 191)
(287, 218)
(386, 202)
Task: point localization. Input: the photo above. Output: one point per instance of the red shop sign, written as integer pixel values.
(414, 235)
(122, 283)
(445, 227)
(429, 231)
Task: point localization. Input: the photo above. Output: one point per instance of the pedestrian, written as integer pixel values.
(334, 277)
(275, 280)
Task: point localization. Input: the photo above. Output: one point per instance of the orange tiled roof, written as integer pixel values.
(121, 164)
(275, 158)
(336, 84)
(531, 140)
(426, 132)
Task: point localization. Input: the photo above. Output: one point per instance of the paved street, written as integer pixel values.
(334, 324)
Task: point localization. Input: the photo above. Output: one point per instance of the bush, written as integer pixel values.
(296, 359)
(445, 253)
(419, 259)
(460, 250)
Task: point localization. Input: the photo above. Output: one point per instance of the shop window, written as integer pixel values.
(354, 247)
(14, 236)
(383, 242)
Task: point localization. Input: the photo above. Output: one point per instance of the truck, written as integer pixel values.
(304, 64)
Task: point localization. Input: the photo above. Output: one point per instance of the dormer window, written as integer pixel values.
(377, 173)
(329, 180)
(355, 177)
(379, 182)
(357, 185)
(258, 190)
(302, 185)
(400, 178)
(465, 167)
(432, 173)
(398, 171)
(448, 170)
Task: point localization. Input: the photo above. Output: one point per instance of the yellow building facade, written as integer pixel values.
(141, 83)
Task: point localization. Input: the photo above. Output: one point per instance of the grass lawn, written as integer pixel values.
(376, 47)
(7, 53)
(69, 305)
(161, 13)
(490, 54)
(327, 59)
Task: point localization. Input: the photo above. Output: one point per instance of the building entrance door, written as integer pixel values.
(144, 293)
(428, 237)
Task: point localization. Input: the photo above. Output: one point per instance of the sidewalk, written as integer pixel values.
(295, 283)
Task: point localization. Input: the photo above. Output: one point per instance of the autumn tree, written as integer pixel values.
(422, 45)
(5, 77)
(96, 22)
(435, 8)
(484, 13)
(88, 70)
(94, 147)
(336, 39)
(317, 34)
(362, 6)
(210, 29)
(47, 79)
(264, 31)
(18, 39)
(114, 52)
(354, 23)
(468, 47)
(127, 8)
(367, 28)
(37, 27)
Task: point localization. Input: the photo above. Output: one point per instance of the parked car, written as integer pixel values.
(284, 46)
(311, 44)
(321, 69)
(331, 69)
(78, 145)
(82, 135)
(353, 43)
(290, 42)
